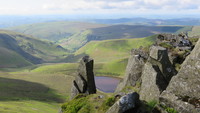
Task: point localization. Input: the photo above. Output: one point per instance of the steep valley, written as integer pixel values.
(37, 74)
(27, 50)
(54, 80)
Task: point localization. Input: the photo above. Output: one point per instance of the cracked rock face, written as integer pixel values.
(156, 74)
(183, 92)
(84, 81)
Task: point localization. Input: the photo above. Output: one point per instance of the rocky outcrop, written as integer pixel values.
(125, 104)
(183, 92)
(156, 74)
(133, 69)
(179, 46)
(174, 40)
(84, 81)
(159, 79)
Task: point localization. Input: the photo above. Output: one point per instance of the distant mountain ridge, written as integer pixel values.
(54, 31)
(146, 21)
(14, 20)
(73, 35)
(78, 40)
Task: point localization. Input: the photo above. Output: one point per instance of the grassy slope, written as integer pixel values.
(195, 31)
(55, 31)
(111, 68)
(10, 51)
(107, 50)
(10, 58)
(19, 96)
(111, 55)
(27, 49)
(28, 107)
(47, 51)
(65, 68)
(40, 89)
(79, 38)
(37, 90)
(115, 32)
(185, 29)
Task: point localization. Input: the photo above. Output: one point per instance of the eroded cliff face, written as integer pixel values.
(183, 92)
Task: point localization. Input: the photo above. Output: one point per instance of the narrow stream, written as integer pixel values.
(106, 84)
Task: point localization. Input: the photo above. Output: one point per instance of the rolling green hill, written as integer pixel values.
(20, 50)
(112, 55)
(106, 50)
(55, 31)
(10, 58)
(77, 40)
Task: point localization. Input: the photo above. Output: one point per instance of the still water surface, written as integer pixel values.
(106, 84)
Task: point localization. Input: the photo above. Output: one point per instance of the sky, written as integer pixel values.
(92, 7)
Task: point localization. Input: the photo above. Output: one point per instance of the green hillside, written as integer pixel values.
(10, 58)
(111, 68)
(55, 31)
(116, 32)
(111, 56)
(20, 50)
(185, 29)
(75, 41)
(38, 89)
(107, 50)
(195, 31)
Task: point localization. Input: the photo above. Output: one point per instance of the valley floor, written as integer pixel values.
(35, 90)
(41, 88)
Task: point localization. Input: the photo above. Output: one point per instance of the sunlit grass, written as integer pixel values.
(63, 68)
(28, 106)
(105, 51)
(112, 68)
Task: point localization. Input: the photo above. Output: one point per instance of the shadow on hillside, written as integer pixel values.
(14, 89)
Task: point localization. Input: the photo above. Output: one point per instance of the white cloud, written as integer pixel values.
(97, 6)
